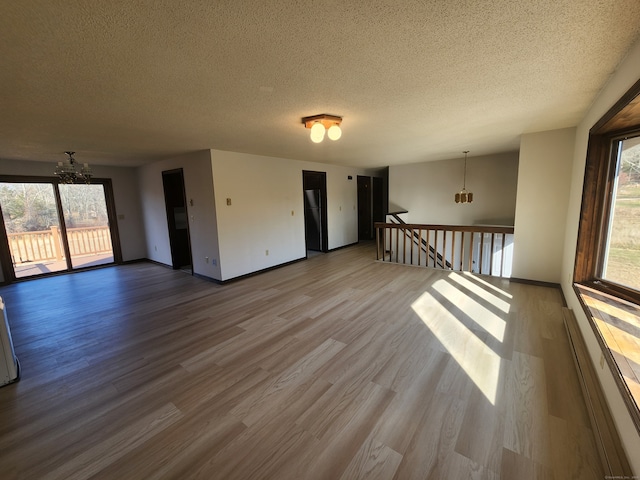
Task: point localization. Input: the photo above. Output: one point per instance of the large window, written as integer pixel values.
(621, 255)
(607, 268)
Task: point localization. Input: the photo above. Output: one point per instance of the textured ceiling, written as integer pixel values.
(126, 82)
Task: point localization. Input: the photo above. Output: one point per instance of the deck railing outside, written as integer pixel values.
(47, 244)
(481, 249)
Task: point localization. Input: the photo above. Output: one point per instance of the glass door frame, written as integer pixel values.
(5, 253)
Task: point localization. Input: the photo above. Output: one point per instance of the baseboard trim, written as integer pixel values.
(612, 454)
(534, 282)
(258, 272)
(155, 262)
(343, 246)
(138, 260)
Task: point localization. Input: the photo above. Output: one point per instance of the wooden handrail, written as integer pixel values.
(454, 228)
(476, 248)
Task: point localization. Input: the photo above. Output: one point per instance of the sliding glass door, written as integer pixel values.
(33, 228)
(52, 227)
(87, 224)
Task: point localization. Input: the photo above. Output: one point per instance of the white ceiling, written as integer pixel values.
(124, 82)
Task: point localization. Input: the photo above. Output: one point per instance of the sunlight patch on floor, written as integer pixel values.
(489, 286)
(481, 315)
(483, 293)
(479, 361)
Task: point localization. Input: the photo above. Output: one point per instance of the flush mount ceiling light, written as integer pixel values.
(321, 124)
(463, 196)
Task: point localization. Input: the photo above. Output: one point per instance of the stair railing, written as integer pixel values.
(422, 243)
(474, 248)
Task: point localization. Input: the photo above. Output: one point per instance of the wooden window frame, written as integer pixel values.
(621, 121)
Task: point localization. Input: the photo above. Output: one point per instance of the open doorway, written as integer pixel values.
(365, 216)
(371, 201)
(177, 221)
(314, 186)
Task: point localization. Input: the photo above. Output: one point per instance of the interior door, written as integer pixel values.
(365, 219)
(177, 221)
(314, 186)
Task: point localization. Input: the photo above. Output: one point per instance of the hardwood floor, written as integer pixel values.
(337, 367)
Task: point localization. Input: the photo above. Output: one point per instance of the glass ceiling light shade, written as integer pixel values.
(463, 196)
(317, 132)
(321, 124)
(334, 132)
(68, 171)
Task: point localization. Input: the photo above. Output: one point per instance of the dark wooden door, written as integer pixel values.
(365, 218)
(177, 221)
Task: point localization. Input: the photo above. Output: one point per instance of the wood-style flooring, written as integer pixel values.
(337, 367)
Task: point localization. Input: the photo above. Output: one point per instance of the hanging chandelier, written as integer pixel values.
(463, 196)
(319, 124)
(68, 171)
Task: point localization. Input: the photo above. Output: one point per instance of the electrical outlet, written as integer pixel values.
(266, 252)
(214, 262)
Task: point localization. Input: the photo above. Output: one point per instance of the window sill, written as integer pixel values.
(616, 323)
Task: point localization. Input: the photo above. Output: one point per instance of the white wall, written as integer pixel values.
(427, 190)
(125, 191)
(198, 182)
(541, 206)
(267, 210)
(627, 74)
(342, 207)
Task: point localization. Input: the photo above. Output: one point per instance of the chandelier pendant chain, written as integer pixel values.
(463, 196)
(464, 178)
